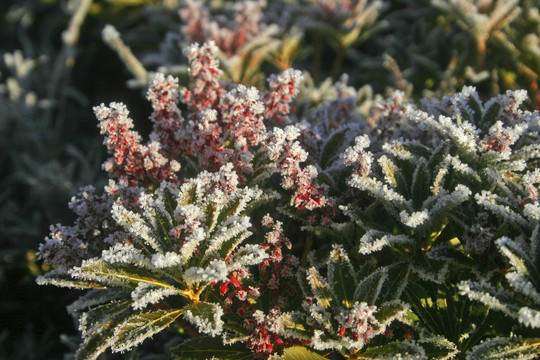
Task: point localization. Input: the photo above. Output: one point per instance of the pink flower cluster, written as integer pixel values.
(167, 118)
(287, 153)
(277, 270)
(229, 34)
(357, 322)
(205, 73)
(133, 162)
(265, 332)
(283, 89)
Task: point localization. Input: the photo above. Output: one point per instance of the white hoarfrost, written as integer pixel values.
(213, 326)
(216, 271)
(147, 293)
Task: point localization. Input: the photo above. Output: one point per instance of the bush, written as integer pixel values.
(389, 211)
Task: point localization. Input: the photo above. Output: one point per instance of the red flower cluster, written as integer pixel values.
(229, 35)
(133, 162)
(265, 332)
(287, 153)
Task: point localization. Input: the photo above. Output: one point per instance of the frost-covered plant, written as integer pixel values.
(347, 22)
(506, 29)
(262, 232)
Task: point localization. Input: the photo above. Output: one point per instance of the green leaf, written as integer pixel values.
(444, 312)
(228, 246)
(116, 275)
(506, 348)
(438, 348)
(340, 276)
(301, 353)
(228, 209)
(384, 284)
(425, 307)
(210, 348)
(436, 158)
(319, 287)
(95, 345)
(97, 326)
(332, 146)
(100, 317)
(401, 350)
(476, 107)
(64, 280)
(369, 288)
(491, 114)
(420, 185)
(390, 311)
(140, 326)
(97, 297)
(398, 277)
(206, 316)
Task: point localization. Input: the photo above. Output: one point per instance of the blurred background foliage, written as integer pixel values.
(54, 66)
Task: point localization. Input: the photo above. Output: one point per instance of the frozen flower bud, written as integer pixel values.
(283, 89)
(167, 119)
(131, 161)
(205, 74)
(63, 248)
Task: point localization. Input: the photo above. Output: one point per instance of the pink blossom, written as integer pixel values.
(132, 161)
(205, 74)
(283, 89)
(167, 119)
(229, 34)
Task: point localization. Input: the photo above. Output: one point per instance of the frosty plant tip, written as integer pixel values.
(242, 229)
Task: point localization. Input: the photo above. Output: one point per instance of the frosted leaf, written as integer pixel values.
(96, 270)
(445, 201)
(465, 135)
(206, 317)
(232, 227)
(379, 190)
(523, 284)
(482, 292)
(247, 255)
(134, 224)
(511, 348)
(125, 254)
(216, 271)
(460, 166)
(397, 149)
(495, 204)
(166, 260)
(373, 241)
(529, 317)
(93, 298)
(438, 276)
(146, 293)
(532, 211)
(414, 219)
